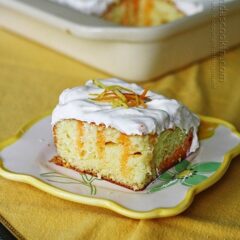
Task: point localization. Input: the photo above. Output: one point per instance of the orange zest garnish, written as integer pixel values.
(120, 96)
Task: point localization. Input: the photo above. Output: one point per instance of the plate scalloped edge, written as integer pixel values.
(108, 204)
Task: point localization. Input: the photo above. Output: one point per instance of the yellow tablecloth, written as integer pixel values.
(31, 78)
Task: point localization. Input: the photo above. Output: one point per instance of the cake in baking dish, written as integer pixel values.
(136, 12)
(121, 133)
(143, 12)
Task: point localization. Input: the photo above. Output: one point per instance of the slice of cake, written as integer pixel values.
(121, 133)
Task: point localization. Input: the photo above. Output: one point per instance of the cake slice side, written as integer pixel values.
(172, 146)
(132, 161)
(106, 153)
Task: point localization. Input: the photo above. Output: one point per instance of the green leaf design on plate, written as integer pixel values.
(182, 166)
(193, 180)
(166, 176)
(59, 178)
(162, 186)
(185, 173)
(206, 167)
(88, 182)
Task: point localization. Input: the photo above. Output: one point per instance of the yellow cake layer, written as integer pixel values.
(131, 161)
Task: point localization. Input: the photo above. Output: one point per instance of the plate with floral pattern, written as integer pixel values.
(25, 158)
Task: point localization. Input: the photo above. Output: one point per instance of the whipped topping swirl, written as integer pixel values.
(161, 113)
(97, 7)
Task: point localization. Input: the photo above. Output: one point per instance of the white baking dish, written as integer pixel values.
(135, 54)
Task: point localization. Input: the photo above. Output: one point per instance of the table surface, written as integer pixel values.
(31, 79)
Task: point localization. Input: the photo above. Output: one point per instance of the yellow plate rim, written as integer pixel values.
(111, 205)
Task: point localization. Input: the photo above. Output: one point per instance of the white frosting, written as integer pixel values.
(189, 7)
(161, 113)
(97, 7)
